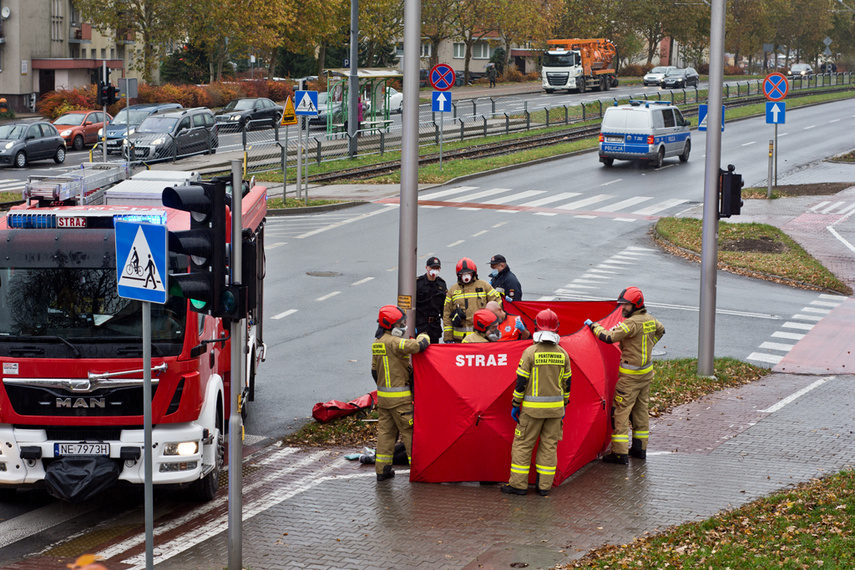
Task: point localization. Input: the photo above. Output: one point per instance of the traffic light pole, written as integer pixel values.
(709, 231)
(238, 334)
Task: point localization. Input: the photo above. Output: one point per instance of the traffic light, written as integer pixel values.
(204, 242)
(730, 192)
(114, 94)
(103, 93)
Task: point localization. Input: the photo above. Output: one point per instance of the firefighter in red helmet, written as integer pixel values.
(463, 299)
(541, 393)
(392, 370)
(637, 334)
(486, 325)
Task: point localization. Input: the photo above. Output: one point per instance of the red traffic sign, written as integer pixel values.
(441, 77)
(775, 86)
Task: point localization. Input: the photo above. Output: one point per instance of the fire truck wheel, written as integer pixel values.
(59, 157)
(206, 488)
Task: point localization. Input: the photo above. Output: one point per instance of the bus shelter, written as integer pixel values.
(374, 84)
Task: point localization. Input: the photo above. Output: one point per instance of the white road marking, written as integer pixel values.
(361, 281)
(586, 217)
(777, 346)
(41, 519)
(808, 128)
(482, 232)
(458, 242)
(792, 397)
(650, 210)
(815, 310)
(442, 193)
(748, 143)
(328, 296)
(788, 335)
(579, 204)
(841, 239)
(549, 199)
(798, 326)
(825, 303)
(832, 207)
(833, 121)
(274, 245)
(484, 194)
(388, 208)
(519, 196)
(761, 357)
(624, 204)
(807, 317)
(611, 182)
(284, 314)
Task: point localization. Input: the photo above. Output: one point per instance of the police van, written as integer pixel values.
(649, 131)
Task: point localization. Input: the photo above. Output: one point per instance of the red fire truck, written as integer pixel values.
(71, 390)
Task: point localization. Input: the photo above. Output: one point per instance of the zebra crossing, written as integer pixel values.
(280, 229)
(795, 329)
(839, 208)
(545, 203)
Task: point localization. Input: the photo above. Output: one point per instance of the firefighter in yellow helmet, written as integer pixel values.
(637, 334)
(541, 394)
(392, 370)
(462, 299)
(486, 325)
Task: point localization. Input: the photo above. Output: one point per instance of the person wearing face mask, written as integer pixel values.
(637, 334)
(540, 396)
(463, 299)
(430, 296)
(510, 328)
(503, 279)
(392, 370)
(486, 328)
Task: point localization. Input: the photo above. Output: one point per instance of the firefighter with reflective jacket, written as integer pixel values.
(637, 334)
(463, 298)
(392, 370)
(486, 325)
(541, 394)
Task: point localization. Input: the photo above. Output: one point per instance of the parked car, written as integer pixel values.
(173, 134)
(126, 121)
(22, 143)
(800, 69)
(326, 107)
(396, 100)
(80, 128)
(678, 78)
(655, 75)
(240, 112)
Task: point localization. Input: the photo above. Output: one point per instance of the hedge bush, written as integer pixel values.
(55, 103)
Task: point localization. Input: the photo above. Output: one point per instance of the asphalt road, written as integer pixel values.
(328, 274)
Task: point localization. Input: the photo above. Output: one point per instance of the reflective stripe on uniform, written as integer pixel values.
(523, 373)
(624, 369)
(519, 468)
(399, 392)
(543, 402)
(518, 395)
(383, 458)
(545, 469)
(617, 438)
(641, 434)
(623, 326)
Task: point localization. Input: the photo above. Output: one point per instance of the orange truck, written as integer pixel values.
(579, 65)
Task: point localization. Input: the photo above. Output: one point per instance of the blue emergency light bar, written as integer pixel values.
(81, 219)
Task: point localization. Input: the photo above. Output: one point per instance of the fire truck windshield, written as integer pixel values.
(79, 305)
(559, 60)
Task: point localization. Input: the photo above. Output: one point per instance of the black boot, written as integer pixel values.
(636, 451)
(387, 473)
(513, 490)
(543, 492)
(619, 458)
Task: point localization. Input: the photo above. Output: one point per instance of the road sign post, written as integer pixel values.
(307, 106)
(775, 87)
(141, 260)
(289, 117)
(440, 103)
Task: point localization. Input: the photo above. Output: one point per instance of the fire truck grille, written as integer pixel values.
(557, 78)
(38, 401)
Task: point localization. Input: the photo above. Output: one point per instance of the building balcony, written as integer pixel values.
(80, 34)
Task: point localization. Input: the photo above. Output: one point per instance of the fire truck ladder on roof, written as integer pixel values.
(85, 186)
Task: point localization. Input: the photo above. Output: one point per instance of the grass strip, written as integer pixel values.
(751, 249)
(276, 203)
(809, 526)
(676, 382)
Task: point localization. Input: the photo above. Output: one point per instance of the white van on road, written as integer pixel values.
(650, 131)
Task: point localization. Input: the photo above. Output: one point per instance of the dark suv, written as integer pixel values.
(173, 134)
(127, 120)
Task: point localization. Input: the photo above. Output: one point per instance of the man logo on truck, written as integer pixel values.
(81, 403)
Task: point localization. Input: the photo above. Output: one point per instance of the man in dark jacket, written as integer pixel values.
(430, 298)
(503, 280)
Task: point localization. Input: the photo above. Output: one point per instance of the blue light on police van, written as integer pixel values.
(31, 221)
(158, 218)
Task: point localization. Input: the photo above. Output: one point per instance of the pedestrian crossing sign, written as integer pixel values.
(141, 261)
(307, 103)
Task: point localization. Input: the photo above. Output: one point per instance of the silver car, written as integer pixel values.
(655, 75)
